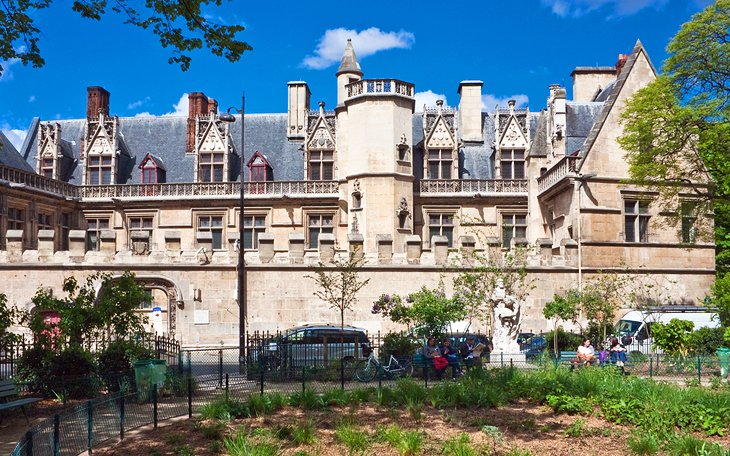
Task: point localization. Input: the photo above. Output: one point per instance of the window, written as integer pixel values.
(513, 164)
(439, 164)
(94, 227)
(211, 167)
(16, 219)
(689, 220)
(318, 224)
(214, 225)
(139, 224)
(149, 175)
(47, 167)
(253, 225)
(45, 221)
(321, 165)
(99, 171)
(65, 230)
(513, 226)
(441, 225)
(636, 227)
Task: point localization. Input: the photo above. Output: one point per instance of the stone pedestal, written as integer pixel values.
(440, 247)
(413, 249)
(266, 247)
(385, 248)
(296, 248)
(326, 247)
(356, 245)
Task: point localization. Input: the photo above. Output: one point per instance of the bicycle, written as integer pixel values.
(367, 369)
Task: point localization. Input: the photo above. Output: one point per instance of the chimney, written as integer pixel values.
(470, 110)
(557, 120)
(212, 106)
(197, 106)
(622, 58)
(588, 82)
(299, 96)
(97, 100)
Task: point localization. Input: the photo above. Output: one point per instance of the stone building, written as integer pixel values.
(412, 190)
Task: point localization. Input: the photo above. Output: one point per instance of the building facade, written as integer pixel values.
(414, 192)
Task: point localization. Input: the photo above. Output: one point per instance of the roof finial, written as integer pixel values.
(349, 63)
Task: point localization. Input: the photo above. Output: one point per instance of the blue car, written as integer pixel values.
(534, 346)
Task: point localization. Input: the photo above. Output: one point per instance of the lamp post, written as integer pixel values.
(240, 269)
(582, 179)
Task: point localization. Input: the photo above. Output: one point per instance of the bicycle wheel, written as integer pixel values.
(365, 371)
(405, 369)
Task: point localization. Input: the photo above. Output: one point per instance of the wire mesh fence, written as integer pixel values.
(198, 377)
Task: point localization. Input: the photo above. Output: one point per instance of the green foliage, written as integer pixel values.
(576, 428)
(225, 409)
(562, 307)
(570, 404)
(688, 445)
(9, 317)
(339, 283)
(33, 368)
(673, 337)
(305, 434)
(567, 341)
(182, 26)
(459, 445)
(428, 311)
(398, 344)
(241, 444)
(213, 431)
(306, 399)
(115, 362)
(641, 443)
(84, 315)
(355, 440)
(720, 296)
(407, 443)
(73, 373)
(706, 340)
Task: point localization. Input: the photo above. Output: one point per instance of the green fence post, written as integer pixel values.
(220, 368)
(342, 375)
(262, 380)
(190, 369)
(121, 416)
(501, 359)
(699, 368)
(29, 444)
(651, 365)
(154, 405)
(304, 370)
(179, 363)
(56, 435)
(227, 386)
(190, 396)
(90, 425)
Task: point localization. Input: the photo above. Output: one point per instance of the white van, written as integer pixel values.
(634, 328)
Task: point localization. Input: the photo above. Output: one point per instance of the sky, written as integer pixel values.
(517, 48)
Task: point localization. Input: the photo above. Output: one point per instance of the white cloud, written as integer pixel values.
(138, 103)
(180, 108)
(367, 42)
(7, 74)
(489, 101)
(15, 136)
(31, 99)
(143, 114)
(576, 8)
(427, 98)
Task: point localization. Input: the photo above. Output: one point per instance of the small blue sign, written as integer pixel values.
(157, 309)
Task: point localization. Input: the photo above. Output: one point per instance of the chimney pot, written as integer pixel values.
(97, 101)
(622, 58)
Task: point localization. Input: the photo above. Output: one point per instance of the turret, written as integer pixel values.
(348, 72)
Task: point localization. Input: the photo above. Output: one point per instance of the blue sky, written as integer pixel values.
(517, 48)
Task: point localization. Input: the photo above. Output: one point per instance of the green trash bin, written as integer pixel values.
(148, 372)
(723, 355)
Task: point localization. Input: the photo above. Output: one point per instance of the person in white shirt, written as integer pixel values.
(586, 353)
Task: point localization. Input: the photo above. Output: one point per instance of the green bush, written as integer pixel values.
(33, 369)
(398, 344)
(706, 340)
(73, 374)
(566, 341)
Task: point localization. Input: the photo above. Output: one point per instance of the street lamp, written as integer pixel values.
(241, 272)
(582, 179)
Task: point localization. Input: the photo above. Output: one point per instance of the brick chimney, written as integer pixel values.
(197, 106)
(97, 100)
(622, 58)
(212, 106)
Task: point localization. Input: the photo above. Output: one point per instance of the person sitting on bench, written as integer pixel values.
(586, 355)
(618, 352)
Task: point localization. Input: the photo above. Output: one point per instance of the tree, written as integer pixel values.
(9, 317)
(675, 337)
(339, 284)
(564, 308)
(84, 314)
(180, 25)
(677, 128)
(427, 311)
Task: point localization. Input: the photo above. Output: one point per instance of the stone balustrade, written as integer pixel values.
(473, 186)
(379, 87)
(14, 177)
(564, 168)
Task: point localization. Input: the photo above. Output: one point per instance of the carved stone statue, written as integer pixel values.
(355, 225)
(506, 320)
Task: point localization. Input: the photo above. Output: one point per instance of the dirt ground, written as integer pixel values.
(13, 424)
(523, 425)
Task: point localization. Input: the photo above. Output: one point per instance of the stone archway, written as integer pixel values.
(171, 290)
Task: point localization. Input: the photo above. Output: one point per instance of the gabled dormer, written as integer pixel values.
(441, 157)
(49, 150)
(209, 140)
(320, 145)
(101, 148)
(259, 169)
(513, 140)
(153, 170)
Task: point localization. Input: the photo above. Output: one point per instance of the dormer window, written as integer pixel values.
(153, 170)
(211, 167)
(259, 169)
(512, 164)
(47, 167)
(99, 170)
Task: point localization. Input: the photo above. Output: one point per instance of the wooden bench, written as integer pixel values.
(8, 392)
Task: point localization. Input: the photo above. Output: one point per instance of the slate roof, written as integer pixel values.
(9, 156)
(165, 138)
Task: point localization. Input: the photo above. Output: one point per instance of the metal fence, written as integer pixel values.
(206, 375)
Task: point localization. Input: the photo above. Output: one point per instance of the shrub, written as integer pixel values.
(643, 443)
(33, 369)
(398, 344)
(73, 373)
(355, 441)
(706, 340)
(570, 404)
(305, 434)
(566, 341)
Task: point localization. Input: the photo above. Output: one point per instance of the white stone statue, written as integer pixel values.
(506, 321)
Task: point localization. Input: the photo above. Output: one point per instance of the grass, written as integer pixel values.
(643, 443)
(459, 445)
(355, 440)
(241, 444)
(305, 434)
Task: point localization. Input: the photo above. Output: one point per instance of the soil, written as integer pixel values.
(522, 425)
(13, 424)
